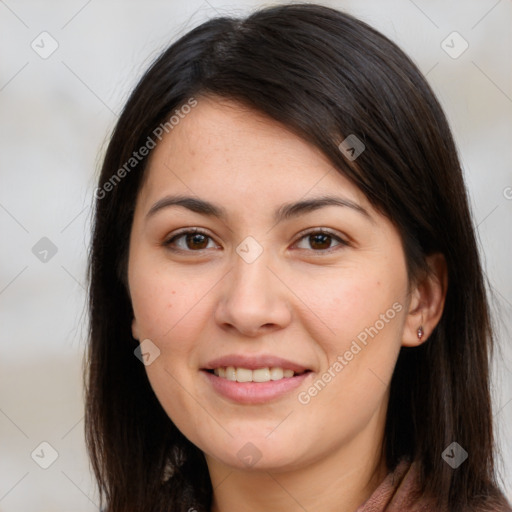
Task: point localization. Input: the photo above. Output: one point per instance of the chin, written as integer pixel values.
(256, 454)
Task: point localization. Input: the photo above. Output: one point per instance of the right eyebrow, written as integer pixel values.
(191, 203)
(284, 212)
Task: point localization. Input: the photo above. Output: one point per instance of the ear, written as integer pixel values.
(135, 331)
(427, 302)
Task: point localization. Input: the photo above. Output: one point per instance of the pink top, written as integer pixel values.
(398, 493)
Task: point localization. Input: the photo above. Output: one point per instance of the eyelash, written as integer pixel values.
(302, 235)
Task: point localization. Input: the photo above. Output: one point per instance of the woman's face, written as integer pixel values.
(225, 316)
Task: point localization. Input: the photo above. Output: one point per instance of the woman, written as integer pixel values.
(286, 299)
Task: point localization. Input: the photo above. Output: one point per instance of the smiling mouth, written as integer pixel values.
(265, 374)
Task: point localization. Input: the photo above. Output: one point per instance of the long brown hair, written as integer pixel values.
(325, 75)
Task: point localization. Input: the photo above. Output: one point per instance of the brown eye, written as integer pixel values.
(196, 241)
(189, 241)
(321, 241)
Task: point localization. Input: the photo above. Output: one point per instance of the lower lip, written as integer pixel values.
(254, 392)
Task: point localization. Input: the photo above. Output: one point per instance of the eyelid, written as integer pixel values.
(343, 242)
(186, 231)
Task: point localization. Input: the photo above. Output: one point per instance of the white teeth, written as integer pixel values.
(261, 375)
(230, 373)
(276, 373)
(243, 375)
(258, 375)
(220, 372)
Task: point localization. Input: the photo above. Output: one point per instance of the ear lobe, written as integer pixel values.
(427, 302)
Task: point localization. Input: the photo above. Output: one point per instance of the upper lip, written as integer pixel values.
(253, 362)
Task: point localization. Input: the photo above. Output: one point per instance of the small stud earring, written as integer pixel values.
(420, 332)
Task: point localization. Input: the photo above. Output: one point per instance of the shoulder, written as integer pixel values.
(401, 491)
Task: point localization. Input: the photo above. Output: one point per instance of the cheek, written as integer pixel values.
(168, 311)
(164, 301)
(357, 321)
(347, 302)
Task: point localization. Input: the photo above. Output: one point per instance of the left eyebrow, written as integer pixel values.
(284, 212)
(289, 210)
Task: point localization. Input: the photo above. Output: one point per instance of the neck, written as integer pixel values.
(340, 481)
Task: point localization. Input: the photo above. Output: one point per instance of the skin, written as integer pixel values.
(300, 300)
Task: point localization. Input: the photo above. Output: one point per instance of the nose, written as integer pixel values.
(253, 299)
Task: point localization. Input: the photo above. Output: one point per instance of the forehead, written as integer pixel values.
(223, 149)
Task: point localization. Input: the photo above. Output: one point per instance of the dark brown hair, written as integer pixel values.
(324, 75)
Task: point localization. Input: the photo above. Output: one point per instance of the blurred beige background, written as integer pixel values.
(65, 72)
